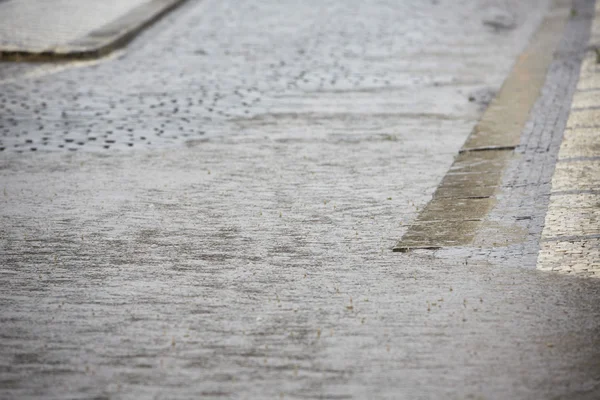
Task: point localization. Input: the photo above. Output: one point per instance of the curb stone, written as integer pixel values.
(571, 234)
(101, 41)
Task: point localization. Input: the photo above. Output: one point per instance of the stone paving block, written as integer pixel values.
(67, 29)
(595, 29)
(484, 178)
(38, 25)
(502, 122)
(581, 257)
(586, 99)
(581, 142)
(574, 206)
(491, 144)
(576, 175)
(584, 118)
(573, 215)
(436, 234)
(589, 78)
(461, 192)
(480, 161)
(449, 209)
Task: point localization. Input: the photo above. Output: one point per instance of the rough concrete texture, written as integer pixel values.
(242, 247)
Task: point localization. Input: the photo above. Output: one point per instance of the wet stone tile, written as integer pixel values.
(584, 118)
(581, 142)
(576, 175)
(589, 78)
(51, 27)
(586, 99)
(436, 234)
(573, 215)
(581, 257)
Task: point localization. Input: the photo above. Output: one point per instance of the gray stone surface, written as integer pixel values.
(467, 193)
(572, 226)
(518, 217)
(230, 68)
(245, 252)
(40, 25)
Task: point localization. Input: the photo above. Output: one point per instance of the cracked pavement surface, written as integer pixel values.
(211, 212)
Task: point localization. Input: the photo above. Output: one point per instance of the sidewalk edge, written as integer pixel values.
(103, 40)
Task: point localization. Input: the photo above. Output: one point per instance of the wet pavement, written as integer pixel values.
(211, 213)
(571, 235)
(34, 26)
(67, 30)
(467, 193)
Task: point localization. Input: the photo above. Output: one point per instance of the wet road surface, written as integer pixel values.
(211, 214)
(26, 24)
